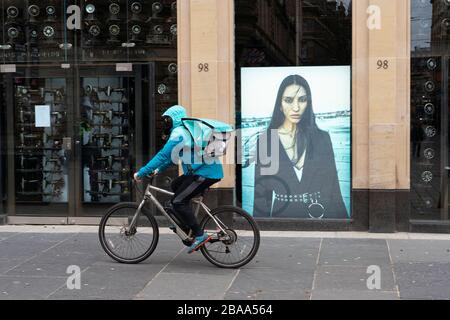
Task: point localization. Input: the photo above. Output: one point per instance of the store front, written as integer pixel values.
(84, 84)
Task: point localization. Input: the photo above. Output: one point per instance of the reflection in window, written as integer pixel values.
(287, 33)
(42, 31)
(430, 26)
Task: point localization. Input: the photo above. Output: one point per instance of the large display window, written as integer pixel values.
(294, 108)
(84, 84)
(306, 135)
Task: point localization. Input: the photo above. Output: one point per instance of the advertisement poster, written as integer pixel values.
(296, 142)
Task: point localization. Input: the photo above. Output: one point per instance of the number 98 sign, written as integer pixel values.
(382, 64)
(203, 67)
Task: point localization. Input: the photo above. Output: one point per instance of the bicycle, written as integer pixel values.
(234, 233)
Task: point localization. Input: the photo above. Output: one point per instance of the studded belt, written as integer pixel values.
(315, 209)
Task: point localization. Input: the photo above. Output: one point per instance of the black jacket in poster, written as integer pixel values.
(316, 196)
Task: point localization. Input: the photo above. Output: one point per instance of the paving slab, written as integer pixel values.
(16, 250)
(6, 235)
(112, 282)
(81, 250)
(272, 295)
(287, 254)
(84, 250)
(194, 263)
(263, 283)
(54, 264)
(28, 288)
(351, 278)
(329, 294)
(419, 251)
(182, 286)
(283, 267)
(355, 252)
(165, 251)
(418, 280)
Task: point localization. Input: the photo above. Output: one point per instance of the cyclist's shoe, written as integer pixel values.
(198, 242)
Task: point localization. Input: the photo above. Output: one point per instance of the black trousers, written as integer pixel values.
(185, 188)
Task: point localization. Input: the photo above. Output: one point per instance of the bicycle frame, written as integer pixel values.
(148, 196)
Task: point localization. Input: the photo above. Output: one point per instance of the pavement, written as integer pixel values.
(34, 262)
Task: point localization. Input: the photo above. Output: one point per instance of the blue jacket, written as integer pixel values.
(179, 147)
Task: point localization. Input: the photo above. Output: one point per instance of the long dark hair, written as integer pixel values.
(307, 126)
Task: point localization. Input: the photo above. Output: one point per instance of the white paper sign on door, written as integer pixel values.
(42, 114)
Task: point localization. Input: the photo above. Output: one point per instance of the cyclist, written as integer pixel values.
(197, 175)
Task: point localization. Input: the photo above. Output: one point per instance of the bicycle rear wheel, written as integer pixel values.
(239, 245)
(127, 245)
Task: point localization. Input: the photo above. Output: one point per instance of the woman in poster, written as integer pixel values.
(306, 184)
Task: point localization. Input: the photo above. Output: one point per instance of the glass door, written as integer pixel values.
(39, 150)
(110, 128)
(37, 103)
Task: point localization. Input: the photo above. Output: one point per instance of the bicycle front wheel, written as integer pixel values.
(125, 244)
(239, 243)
